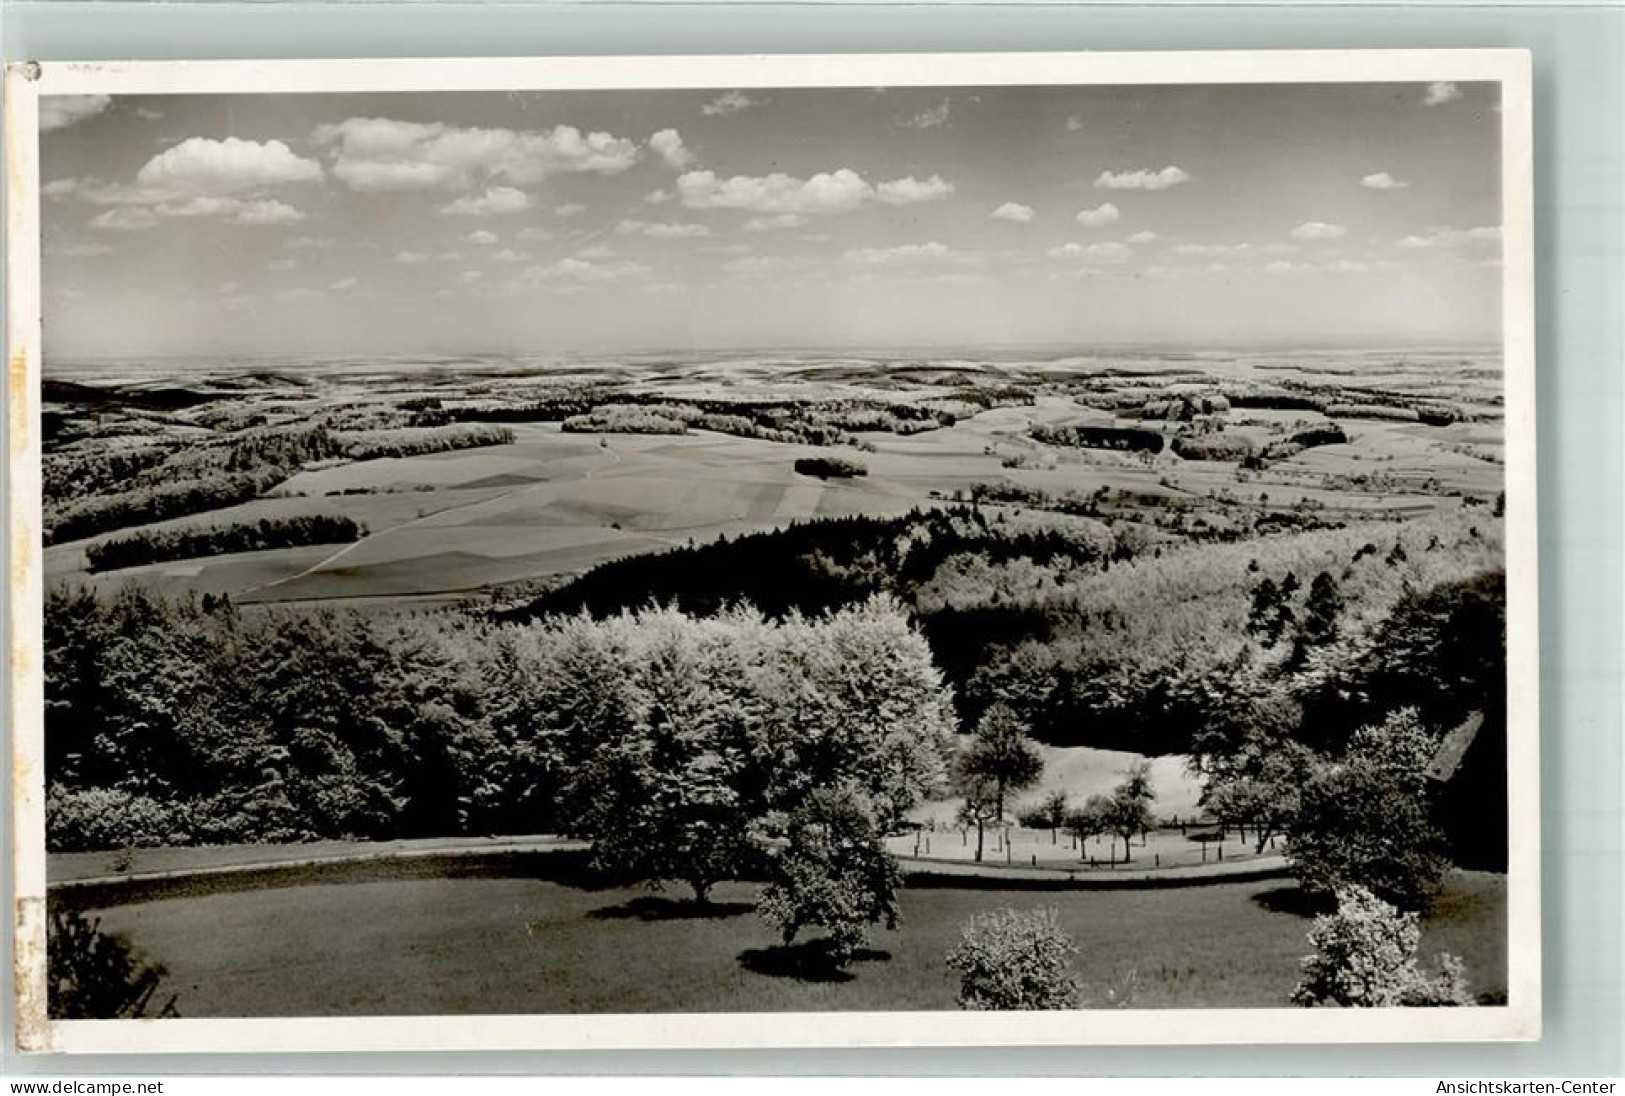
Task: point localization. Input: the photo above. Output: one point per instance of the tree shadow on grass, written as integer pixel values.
(654, 907)
(1292, 900)
(808, 961)
(567, 867)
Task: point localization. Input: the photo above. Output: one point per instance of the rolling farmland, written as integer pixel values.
(551, 504)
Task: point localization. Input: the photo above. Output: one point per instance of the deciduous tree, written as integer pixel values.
(1364, 819)
(833, 872)
(1130, 811)
(1055, 810)
(1001, 754)
(1093, 820)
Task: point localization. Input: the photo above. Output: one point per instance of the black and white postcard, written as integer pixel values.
(776, 551)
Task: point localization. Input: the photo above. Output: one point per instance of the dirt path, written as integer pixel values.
(1262, 867)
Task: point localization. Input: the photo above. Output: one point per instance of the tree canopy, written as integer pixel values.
(833, 872)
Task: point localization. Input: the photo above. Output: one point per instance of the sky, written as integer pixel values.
(839, 218)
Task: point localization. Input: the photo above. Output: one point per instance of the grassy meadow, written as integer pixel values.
(541, 945)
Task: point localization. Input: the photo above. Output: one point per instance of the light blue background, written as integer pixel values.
(1579, 56)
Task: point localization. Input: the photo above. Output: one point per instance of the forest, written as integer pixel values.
(98, 489)
(1098, 640)
(193, 721)
(156, 545)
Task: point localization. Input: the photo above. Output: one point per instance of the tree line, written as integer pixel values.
(1130, 438)
(158, 545)
(1092, 636)
(167, 480)
(661, 736)
(413, 441)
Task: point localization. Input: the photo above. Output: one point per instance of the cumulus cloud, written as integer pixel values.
(839, 191)
(569, 209)
(469, 277)
(1074, 123)
(1453, 237)
(263, 211)
(534, 234)
(62, 111)
(660, 230)
(777, 223)
(729, 102)
(282, 264)
(1101, 215)
(95, 191)
(374, 154)
(576, 269)
(1108, 253)
(911, 191)
(905, 255)
(481, 237)
(827, 192)
(1142, 179)
(1015, 212)
(494, 202)
(1283, 266)
(411, 258)
(1441, 92)
(508, 255)
(266, 212)
(58, 189)
(1143, 238)
(124, 219)
(1318, 230)
(144, 206)
(1237, 251)
(344, 284)
(1382, 181)
(1103, 252)
(195, 179)
(668, 145)
(309, 243)
(204, 166)
(927, 119)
